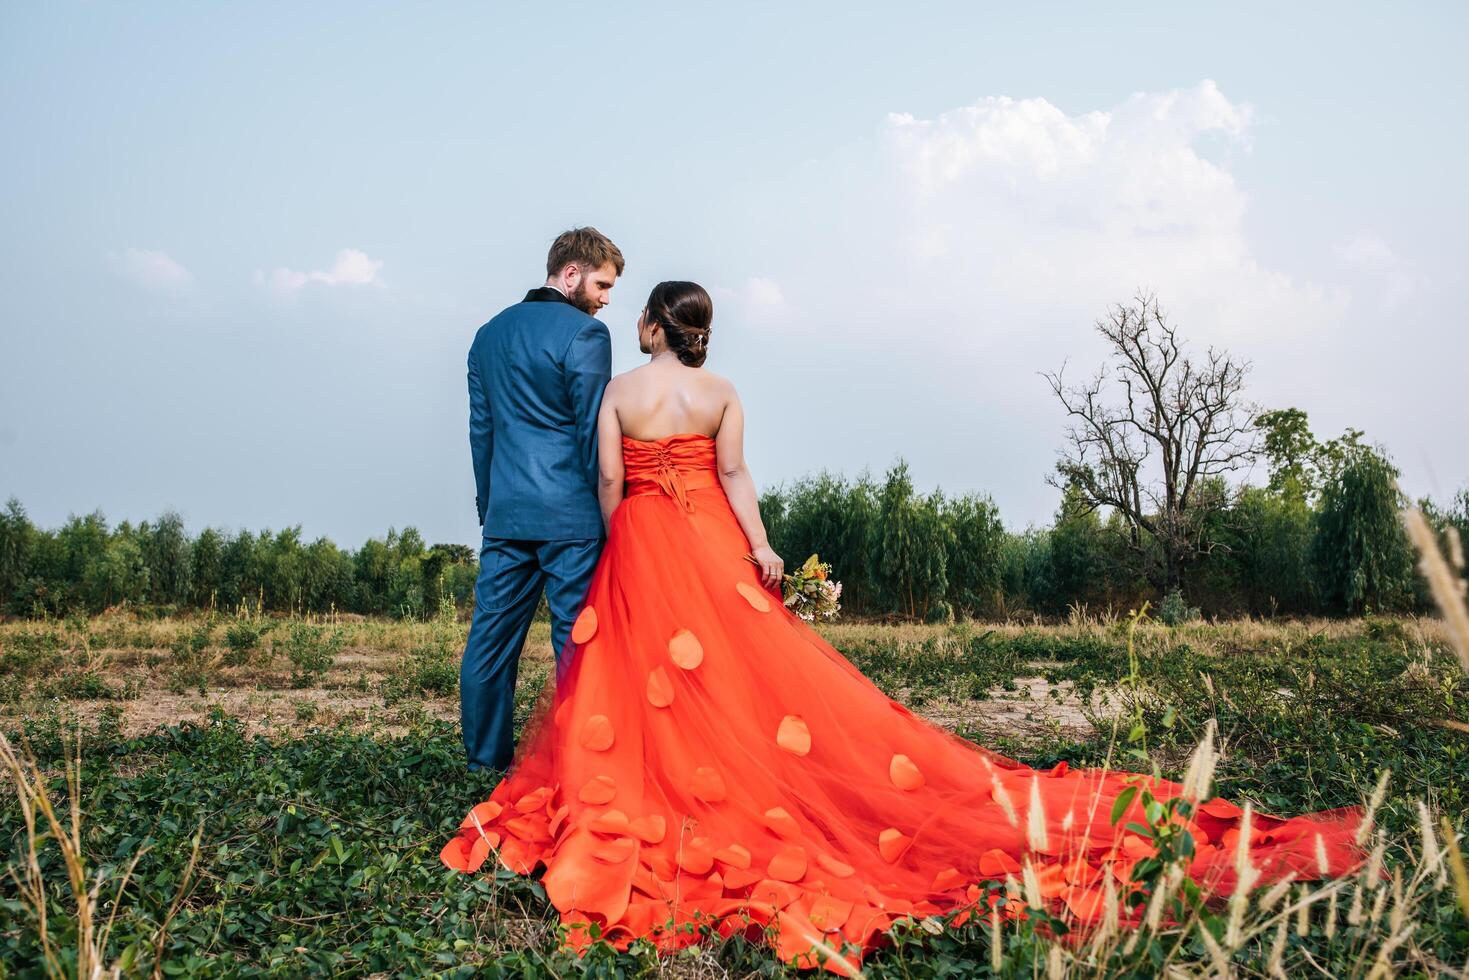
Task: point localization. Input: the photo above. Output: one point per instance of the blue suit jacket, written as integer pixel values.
(536, 374)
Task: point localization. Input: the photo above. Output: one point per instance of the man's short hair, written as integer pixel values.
(587, 247)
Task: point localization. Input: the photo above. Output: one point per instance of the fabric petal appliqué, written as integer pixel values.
(660, 688)
(793, 735)
(788, 865)
(757, 599)
(904, 774)
(585, 627)
(597, 790)
(892, 843)
(781, 824)
(685, 650)
(650, 829)
(596, 733)
(708, 785)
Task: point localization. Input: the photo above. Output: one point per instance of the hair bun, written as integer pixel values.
(685, 312)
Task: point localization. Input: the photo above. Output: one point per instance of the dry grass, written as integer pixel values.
(1445, 577)
(1445, 582)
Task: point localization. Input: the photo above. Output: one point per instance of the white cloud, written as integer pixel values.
(150, 268)
(935, 280)
(352, 267)
(1068, 213)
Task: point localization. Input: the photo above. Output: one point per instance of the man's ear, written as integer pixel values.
(571, 275)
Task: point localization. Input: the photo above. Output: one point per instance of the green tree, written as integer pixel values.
(1271, 548)
(974, 563)
(242, 568)
(168, 555)
(207, 556)
(375, 564)
(1363, 558)
(326, 577)
(83, 542)
(1458, 518)
(284, 572)
(1078, 556)
(17, 544)
(119, 574)
(1299, 464)
(1025, 571)
(910, 549)
(833, 517)
(1292, 451)
(409, 588)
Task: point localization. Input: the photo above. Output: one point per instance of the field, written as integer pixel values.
(274, 792)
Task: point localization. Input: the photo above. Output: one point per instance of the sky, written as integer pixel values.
(244, 248)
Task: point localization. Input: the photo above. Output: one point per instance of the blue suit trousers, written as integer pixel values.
(512, 575)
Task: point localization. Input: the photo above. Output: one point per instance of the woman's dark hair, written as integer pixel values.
(684, 311)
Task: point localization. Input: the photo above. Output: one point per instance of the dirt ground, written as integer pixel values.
(348, 695)
(282, 713)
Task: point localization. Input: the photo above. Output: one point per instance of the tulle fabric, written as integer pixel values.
(707, 759)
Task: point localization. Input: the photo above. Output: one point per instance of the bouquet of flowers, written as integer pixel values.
(810, 592)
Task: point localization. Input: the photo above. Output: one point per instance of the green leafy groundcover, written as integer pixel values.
(319, 854)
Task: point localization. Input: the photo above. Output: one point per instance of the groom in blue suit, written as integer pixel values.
(536, 374)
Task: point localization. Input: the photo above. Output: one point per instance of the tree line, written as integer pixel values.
(1148, 512)
(86, 566)
(1321, 538)
(1331, 546)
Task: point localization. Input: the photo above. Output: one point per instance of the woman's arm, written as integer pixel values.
(609, 456)
(739, 487)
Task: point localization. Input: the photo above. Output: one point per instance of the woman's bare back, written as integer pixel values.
(665, 398)
(674, 395)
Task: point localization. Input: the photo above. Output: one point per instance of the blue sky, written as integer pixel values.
(245, 248)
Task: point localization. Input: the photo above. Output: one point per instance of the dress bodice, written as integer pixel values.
(673, 465)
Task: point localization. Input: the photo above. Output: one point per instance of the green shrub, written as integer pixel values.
(194, 664)
(81, 685)
(430, 669)
(1175, 610)
(27, 653)
(242, 639)
(311, 651)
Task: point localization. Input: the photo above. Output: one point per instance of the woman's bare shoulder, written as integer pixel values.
(625, 381)
(721, 386)
(630, 374)
(716, 382)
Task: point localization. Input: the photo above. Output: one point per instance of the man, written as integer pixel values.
(536, 374)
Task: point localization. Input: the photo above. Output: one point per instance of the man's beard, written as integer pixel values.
(578, 298)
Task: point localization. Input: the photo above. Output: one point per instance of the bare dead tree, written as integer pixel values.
(1150, 428)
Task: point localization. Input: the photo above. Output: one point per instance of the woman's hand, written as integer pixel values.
(772, 569)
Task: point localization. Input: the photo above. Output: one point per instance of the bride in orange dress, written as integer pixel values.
(708, 760)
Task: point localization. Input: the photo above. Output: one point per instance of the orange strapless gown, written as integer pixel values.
(708, 758)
